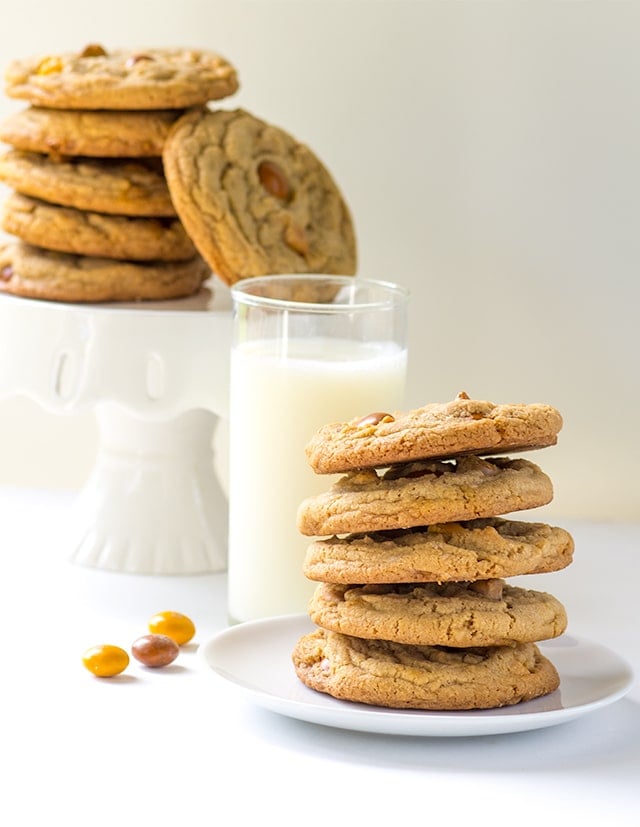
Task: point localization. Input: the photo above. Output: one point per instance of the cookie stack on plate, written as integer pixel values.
(412, 606)
(90, 205)
(127, 186)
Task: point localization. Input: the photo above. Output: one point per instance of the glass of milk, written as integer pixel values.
(306, 350)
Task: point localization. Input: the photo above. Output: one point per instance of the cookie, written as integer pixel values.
(42, 274)
(435, 431)
(68, 230)
(424, 493)
(255, 200)
(481, 613)
(112, 186)
(402, 676)
(95, 78)
(92, 133)
(475, 550)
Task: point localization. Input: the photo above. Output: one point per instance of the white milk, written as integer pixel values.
(276, 405)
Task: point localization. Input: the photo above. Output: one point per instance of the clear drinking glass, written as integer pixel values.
(306, 350)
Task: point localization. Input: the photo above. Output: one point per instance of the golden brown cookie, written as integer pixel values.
(82, 232)
(41, 274)
(435, 431)
(91, 133)
(120, 187)
(424, 493)
(99, 78)
(254, 200)
(481, 613)
(474, 550)
(402, 676)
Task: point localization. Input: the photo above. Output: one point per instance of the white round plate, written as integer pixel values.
(255, 657)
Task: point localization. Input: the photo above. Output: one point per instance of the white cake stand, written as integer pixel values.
(157, 377)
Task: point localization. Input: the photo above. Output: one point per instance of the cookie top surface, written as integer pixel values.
(95, 133)
(475, 550)
(437, 430)
(481, 613)
(424, 493)
(43, 274)
(255, 200)
(97, 78)
(403, 676)
(110, 185)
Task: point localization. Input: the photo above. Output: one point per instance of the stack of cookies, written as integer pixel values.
(91, 205)
(412, 606)
(126, 186)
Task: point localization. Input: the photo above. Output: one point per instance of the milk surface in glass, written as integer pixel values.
(276, 406)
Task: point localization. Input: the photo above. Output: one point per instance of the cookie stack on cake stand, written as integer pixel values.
(90, 204)
(412, 608)
(126, 329)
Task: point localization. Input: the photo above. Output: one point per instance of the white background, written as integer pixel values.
(489, 152)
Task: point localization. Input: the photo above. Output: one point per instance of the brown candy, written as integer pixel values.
(296, 238)
(274, 180)
(155, 650)
(374, 419)
(131, 61)
(93, 50)
(488, 588)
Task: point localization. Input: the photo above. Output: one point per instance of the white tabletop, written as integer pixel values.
(158, 747)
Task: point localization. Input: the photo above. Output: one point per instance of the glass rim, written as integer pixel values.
(396, 294)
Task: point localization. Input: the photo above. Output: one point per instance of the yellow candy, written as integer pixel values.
(105, 661)
(174, 625)
(49, 66)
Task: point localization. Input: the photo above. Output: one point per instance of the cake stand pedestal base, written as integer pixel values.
(152, 504)
(156, 375)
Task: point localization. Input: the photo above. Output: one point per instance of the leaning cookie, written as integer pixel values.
(482, 613)
(474, 550)
(87, 233)
(110, 185)
(42, 274)
(402, 676)
(92, 133)
(96, 78)
(424, 493)
(434, 431)
(255, 200)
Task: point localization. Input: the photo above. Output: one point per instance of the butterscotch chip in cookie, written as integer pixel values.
(82, 232)
(404, 676)
(90, 133)
(424, 493)
(96, 77)
(474, 550)
(434, 431)
(121, 187)
(42, 274)
(481, 613)
(255, 200)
